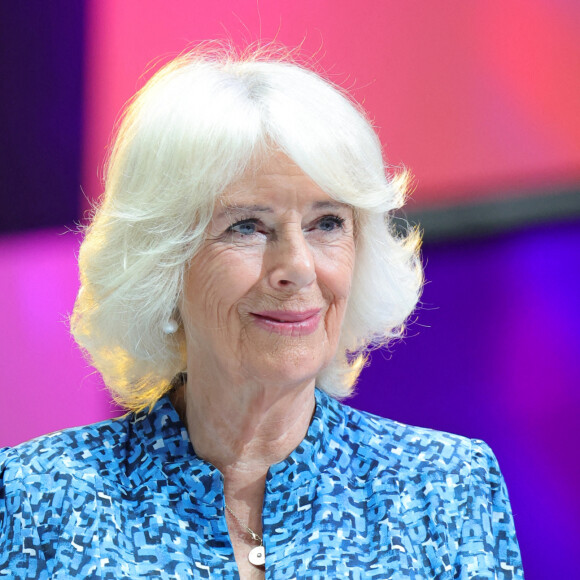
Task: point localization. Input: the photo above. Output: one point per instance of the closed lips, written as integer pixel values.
(287, 316)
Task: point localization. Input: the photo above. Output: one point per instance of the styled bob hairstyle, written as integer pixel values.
(196, 127)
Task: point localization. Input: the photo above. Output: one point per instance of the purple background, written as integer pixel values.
(495, 355)
(494, 351)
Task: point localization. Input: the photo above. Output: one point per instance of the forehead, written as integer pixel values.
(276, 182)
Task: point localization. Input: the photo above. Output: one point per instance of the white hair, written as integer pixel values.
(195, 128)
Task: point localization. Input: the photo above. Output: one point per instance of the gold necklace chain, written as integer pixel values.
(257, 555)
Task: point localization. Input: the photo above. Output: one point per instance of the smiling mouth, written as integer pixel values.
(287, 322)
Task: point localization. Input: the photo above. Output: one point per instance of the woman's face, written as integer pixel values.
(265, 296)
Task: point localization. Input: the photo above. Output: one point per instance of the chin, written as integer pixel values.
(291, 361)
(291, 370)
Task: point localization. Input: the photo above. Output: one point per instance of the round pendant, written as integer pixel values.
(257, 556)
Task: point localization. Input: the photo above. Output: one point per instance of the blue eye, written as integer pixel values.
(244, 227)
(329, 223)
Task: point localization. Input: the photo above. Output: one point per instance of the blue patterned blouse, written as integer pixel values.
(361, 497)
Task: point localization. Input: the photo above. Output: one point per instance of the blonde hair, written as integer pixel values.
(191, 131)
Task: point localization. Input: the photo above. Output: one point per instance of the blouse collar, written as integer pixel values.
(166, 440)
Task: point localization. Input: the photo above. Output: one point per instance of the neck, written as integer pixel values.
(244, 429)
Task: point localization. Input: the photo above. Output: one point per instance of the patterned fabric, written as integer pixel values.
(361, 497)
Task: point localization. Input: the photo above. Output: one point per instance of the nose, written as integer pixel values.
(290, 261)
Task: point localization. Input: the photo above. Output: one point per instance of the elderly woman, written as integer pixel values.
(241, 264)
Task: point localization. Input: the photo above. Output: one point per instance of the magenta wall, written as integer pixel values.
(45, 383)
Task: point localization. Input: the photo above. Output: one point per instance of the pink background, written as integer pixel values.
(476, 97)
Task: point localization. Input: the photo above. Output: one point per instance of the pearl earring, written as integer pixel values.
(170, 327)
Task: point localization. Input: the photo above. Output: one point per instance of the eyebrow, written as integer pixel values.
(330, 204)
(229, 209)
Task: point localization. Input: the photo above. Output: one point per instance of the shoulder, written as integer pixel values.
(442, 494)
(80, 453)
(420, 456)
(408, 448)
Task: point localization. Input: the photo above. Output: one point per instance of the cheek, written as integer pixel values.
(335, 278)
(335, 271)
(217, 281)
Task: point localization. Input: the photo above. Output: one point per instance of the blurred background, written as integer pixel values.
(479, 99)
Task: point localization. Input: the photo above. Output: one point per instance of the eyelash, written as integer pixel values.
(337, 220)
(232, 230)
